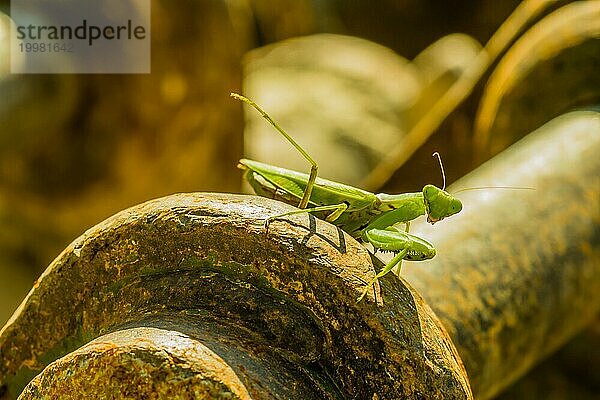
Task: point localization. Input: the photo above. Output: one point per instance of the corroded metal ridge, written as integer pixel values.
(518, 271)
(143, 363)
(189, 296)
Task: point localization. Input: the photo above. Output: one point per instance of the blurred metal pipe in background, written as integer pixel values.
(518, 271)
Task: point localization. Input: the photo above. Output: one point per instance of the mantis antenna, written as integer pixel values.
(494, 187)
(436, 154)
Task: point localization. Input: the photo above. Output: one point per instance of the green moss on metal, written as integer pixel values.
(21, 378)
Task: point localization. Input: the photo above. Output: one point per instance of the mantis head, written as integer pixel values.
(439, 203)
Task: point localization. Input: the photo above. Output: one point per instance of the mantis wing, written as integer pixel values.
(325, 192)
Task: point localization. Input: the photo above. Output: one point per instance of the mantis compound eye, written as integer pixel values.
(429, 191)
(455, 206)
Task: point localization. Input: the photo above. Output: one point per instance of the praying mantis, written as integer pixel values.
(372, 218)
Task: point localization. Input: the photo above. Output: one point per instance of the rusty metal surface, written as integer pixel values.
(279, 310)
(142, 363)
(518, 271)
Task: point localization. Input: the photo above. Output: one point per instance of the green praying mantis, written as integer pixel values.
(372, 218)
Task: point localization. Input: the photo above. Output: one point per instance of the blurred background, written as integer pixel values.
(352, 81)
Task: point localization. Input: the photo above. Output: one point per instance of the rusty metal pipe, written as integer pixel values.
(189, 296)
(518, 271)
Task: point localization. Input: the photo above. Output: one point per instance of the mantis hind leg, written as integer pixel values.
(337, 210)
(313, 165)
(388, 267)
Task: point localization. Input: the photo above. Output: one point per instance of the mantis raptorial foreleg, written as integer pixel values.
(396, 270)
(405, 245)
